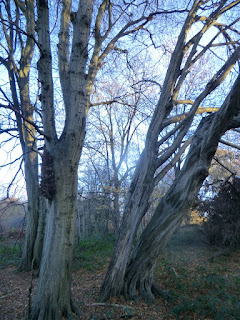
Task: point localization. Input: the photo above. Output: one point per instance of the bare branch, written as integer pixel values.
(63, 46)
(179, 117)
(10, 107)
(227, 143)
(45, 72)
(14, 178)
(172, 162)
(223, 166)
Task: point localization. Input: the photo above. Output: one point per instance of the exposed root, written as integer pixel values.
(130, 291)
(75, 308)
(50, 312)
(145, 291)
(159, 292)
(135, 289)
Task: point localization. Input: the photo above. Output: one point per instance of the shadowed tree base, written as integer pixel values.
(50, 311)
(147, 290)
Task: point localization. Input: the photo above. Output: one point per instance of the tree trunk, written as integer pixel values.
(38, 245)
(19, 81)
(53, 296)
(142, 185)
(33, 244)
(60, 163)
(29, 258)
(178, 200)
(136, 205)
(143, 181)
(116, 205)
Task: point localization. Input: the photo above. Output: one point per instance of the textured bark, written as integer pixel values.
(29, 259)
(137, 202)
(33, 241)
(53, 296)
(143, 182)
(32, 249)
(38, 244)
(178, 200)
(131, 219)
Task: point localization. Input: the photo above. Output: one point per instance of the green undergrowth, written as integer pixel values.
(199, 287)
(93, 254)
(10, 253)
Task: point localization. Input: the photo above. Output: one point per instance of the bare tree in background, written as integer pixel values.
(111, 143)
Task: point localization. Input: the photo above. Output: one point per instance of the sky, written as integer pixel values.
(10, 153)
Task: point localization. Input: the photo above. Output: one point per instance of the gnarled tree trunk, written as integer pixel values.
(142, 185)
(178, 200)
(152, 158)
(53, 296)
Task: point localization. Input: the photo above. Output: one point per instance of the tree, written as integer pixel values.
(178, 200)
(131, 269)
(225, 165)
(115, 124)
(120, 123)
(16, 48)
(88, 32)
(222, 213)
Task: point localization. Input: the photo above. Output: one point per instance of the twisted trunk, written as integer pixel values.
(136, 205)
(142, 185)
(143, 181)
(178, 200)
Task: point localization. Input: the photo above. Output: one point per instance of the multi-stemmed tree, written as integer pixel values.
(131, 268)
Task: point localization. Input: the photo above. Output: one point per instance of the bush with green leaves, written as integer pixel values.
(223, 215)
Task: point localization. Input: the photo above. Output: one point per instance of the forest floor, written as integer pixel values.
(203, 282)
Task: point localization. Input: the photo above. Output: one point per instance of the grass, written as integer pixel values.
(10, 254)
(90, 254)
(199, 289)
(93, 254)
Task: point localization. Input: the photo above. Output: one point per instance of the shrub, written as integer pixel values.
(223, 219)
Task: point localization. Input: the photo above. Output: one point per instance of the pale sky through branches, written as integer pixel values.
(158, 61)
